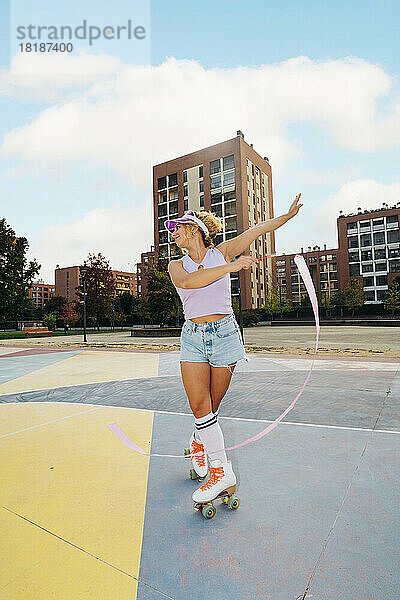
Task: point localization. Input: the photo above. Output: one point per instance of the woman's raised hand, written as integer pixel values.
(243, 262)
(294, 207)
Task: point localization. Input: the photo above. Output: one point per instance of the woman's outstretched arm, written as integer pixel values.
(241, 243)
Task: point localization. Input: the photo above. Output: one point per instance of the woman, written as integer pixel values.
(210, 339)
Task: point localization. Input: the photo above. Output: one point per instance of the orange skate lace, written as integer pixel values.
(200, 458)
(216, 473)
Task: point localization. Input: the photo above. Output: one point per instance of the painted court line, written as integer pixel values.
(48, 422)
(181, 414)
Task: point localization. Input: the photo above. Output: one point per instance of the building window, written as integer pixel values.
(201, 186)
(365, 240)
(352, 242)
(229, 196)
(216, 182)
(352, 227)
(369, 296)
(161, 183)
(394, 252)
(394, 266)
(216, 198)
(393, 219)
(381, 266)
(229, 178)
(230, 208)
(393, 236)
(230, 224)
(354, 256)
(366, 254)
(228, 162)
(215, 167)
(379, 238)
(162, 198)
(217, 210)
(354, 269)
(173, 208)
(173, 179)
(200, 171)
(381, 253)
(367, 268)
(368, 281)
(365, 225)
(184, 176)
(163, 237)
(161, 224)
(201, 201)
(185, 204)
(162, 210)
(381, 280)
(185, 190)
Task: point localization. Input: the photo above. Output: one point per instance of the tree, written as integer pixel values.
(69, 314)
(162, 299)
(50, 320)
(392, 299)
(354, 294)
(16, 273)
(272, 304)
(338, 299)
(127, 306)
(100, 287)
(55, 304)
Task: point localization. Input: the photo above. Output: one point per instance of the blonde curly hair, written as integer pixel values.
(213, 224)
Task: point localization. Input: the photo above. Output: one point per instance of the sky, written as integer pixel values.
(313, 85)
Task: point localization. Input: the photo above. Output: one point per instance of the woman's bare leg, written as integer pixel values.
(197, 381)
(220, 380)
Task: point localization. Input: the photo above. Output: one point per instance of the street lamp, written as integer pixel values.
(83, 274)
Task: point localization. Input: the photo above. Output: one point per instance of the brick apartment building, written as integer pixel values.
(231, 180)
(323, 267)
(147, 260)
(368, 248)
(40, 293)
(67, 280)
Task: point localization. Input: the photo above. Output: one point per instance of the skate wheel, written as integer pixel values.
(208, 511)
(233, 502)
(193, 474)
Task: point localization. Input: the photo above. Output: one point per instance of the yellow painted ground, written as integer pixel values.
(74, 478)
(87, 367)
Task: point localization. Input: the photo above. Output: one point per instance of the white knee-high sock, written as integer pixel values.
(196, 433)
(212, 437)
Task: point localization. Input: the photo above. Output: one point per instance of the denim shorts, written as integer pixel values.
(218, 343)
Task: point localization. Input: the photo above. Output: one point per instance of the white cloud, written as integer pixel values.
(49, 77)
(366, 194)
(120, 235)
(147, 114)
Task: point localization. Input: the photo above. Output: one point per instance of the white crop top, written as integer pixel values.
(212, 299)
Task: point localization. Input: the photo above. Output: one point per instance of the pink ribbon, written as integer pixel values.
(305, 274)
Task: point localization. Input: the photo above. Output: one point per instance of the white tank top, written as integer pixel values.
(212, 299)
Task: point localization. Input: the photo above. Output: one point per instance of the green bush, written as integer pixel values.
(250, 317)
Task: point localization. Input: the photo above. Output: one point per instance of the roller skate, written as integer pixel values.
(221, 483)
(199, 468)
